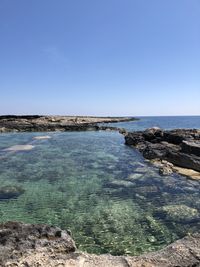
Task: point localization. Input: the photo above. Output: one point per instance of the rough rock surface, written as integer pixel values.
(25, 245)
(180, 147)
(54, 123)
(17, 239)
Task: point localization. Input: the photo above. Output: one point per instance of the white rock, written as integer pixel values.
(19, 148)
(134, 176)
(42, 137)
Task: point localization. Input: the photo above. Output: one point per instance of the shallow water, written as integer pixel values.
(103, 191)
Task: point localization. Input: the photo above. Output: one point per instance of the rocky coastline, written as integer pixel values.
(41, 245)
(36, 123)
(171, 151)
(24, 245)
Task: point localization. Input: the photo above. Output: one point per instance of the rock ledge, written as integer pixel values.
(33, 245)
(169, 149)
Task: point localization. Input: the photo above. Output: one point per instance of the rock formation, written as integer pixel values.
(54, 123)
(168, 148)
(27, 245)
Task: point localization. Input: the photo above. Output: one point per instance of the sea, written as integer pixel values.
(106, 193)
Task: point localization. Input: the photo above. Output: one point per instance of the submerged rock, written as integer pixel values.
(135, 176)
(19, 148)
(43, 137)
(7, 192)
(119, 184)
(180, 213)
(146, 190)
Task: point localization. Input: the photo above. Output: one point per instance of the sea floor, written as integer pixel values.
(111, 199)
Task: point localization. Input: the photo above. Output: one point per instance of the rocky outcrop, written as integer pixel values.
(17, 239)
(179, 147)
(54, 123)
(46, 246)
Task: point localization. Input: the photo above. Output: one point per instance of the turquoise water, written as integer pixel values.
(165, 122)
(103, 191)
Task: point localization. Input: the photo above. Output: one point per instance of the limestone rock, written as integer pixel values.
(47, 246)
(180, 147)
(37, 123)
(180, 213)
(165, 170)
(19, 148)
(17, 238)
(43, 137)
(187, 172)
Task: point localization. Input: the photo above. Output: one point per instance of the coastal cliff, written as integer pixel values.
(24, 245)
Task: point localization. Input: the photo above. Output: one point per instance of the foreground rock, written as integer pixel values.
(54, 123)
(25, 245)
(177, 147)
(18, 240)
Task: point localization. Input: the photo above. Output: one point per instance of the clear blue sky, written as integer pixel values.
(100, 57)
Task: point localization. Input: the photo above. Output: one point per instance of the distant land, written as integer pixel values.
(30, 123)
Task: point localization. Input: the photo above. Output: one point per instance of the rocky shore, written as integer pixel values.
(42, 245)
(24, 245)
(171, 151)
(38, 123)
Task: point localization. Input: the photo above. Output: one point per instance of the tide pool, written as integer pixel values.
(110, 198)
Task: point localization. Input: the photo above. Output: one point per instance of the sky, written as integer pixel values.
(100, 57)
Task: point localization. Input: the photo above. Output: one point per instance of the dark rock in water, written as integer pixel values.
(180, 147)
(191, 147)
(184, 160)
(9, 191)
(152, 133)
(153, 151)
(133, 139)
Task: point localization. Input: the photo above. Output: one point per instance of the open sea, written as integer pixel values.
(164, 122)
(111, 199)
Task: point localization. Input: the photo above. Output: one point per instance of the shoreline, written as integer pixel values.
(48, 246)
(172, 151)
(155, 145)
(37, 123)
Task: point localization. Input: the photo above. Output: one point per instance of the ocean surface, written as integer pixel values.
(111, 199)
(164, 122)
